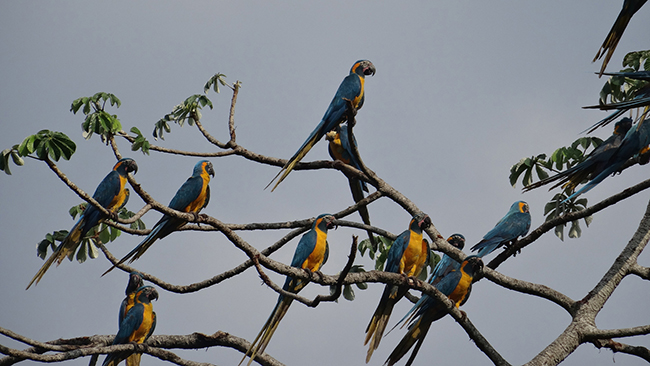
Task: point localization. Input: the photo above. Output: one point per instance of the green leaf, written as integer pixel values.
(104, 235)
(348, 293)
(559, 231)
(82, 252)
(575, 230)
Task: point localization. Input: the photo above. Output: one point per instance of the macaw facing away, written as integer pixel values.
(352, 89)
(635, 142)
(111, 194)
(611, 41)
(192, 197)
(340, 149)
(136, 327)
(444, 267)
(594, 163)
(457, 286)
(135, 282)
(513, 225)
(311, 254)
(408, 255)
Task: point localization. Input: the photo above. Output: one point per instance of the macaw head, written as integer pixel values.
(363, 68)
(420, 222)
(457, 241)
(203, 166)
(519, 206)
(146, 293)
(471, 265)
(621, 127)
(125, 166)
(135, 282)
(324, 222)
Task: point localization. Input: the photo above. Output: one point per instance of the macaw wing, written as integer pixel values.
(397, 251)
(122, 313)
(130, 324)
(445, 266)
(327, 253)
(447, 285)
(207, 197)
(188, 193)
(153, 327)
(305, 247)
(349, 89)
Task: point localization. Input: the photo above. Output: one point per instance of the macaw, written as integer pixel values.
(444, 267)
(340, 149)
(457, 286)
(594, 163)
(611, 41)
(408, 255)
(192, 197)
(136, 327)
(635, 142)
(311, 254)
(135, 282)
(351, 89)
(513, 225)
(111, 194)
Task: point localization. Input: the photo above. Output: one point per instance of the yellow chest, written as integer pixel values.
(118, 201)
(140, 334)
(357, 100)
(315, 259)
(414, 256)
(199, 202)
(461, 290)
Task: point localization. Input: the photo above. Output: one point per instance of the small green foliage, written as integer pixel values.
(619, 88)
(15, 157)
(214, 82)
(348, 291)
(55, 144)
(140, 141)
(97, 120)
(50, 242)
(526, 166)
(189, 110)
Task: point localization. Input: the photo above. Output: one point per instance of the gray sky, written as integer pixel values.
(462, 92)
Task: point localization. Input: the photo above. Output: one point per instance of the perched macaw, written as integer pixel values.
(135, 282)
(340, 149)
(351, 89)
(192, 197)
(311, 254)
(513, 225)
(111, 194)
(457, 286)
(408, 255)
(136, 327)
(445, 266)
(635, 142)
(611, 41)
(594, 163)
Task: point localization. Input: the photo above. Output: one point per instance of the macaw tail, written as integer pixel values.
(139, 250)
(377, 325)
(356, 187)
(594, 182)
(415, 334)
(295, 159)
(134, 359)
(113, 359)
(612, 39)
(264, 336)
(66, 248)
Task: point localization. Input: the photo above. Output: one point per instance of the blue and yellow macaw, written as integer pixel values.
(136, 327)
(135, 282)
(635, 142)
(611, 41)
(311, 254)
(111, 194)
(192, 197)
(513, 225)
(340, 149)
(444, 267)
(351, 89)
(408, 255)
(593, 165)
(457, 286)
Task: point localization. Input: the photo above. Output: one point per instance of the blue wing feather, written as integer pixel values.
(397, 251)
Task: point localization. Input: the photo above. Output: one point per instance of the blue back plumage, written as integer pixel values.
(514, 224)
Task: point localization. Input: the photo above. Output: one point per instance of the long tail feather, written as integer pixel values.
(265, 334)
(416, 333)
(139, 250)
(295, 159)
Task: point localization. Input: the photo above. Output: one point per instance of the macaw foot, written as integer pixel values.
(463, 315)
(203, 217)
(511, 244)
(413, 282)
(113, 216)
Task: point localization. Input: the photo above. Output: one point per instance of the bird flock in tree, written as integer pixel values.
(409, 253)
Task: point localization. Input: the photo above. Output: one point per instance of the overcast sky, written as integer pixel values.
(463, 90)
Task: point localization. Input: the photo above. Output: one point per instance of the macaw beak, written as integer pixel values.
(332, 224)
(370, 70)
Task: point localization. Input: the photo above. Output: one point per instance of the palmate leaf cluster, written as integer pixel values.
(619, 88)
(44, 144)
(97, 120)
